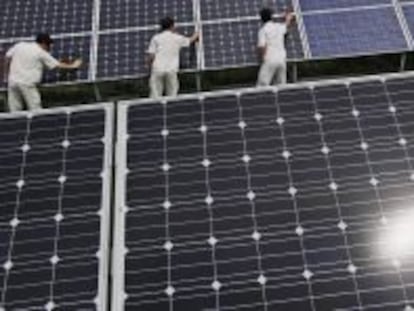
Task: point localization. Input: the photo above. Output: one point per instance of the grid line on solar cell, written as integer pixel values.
(323, 254)
(49, 252)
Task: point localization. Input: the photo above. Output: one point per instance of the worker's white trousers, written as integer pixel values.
(163, 83)
(18, 94)
(272, 73)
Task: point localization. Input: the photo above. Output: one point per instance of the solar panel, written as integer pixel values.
(22, 18)
(216, 9)
(267, 199)
(311, 5)
(54, 216)
(354, 32)
(124, 54)
(141, 13)
(234, 43)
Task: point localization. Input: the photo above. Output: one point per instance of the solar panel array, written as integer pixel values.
(275, 199)
(55, 175)
(113, 35)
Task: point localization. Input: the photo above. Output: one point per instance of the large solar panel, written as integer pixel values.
(55, 174)
(22, 18)
(354, 32)
(268, 199)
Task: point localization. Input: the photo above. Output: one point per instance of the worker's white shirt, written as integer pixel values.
(166, 47)
(28, 60)
(272, 37)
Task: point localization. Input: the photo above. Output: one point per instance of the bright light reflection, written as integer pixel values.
(399, 237)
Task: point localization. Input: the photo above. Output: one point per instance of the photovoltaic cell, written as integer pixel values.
(139, 13)
(347, 33)
(27, 18)
(311, 5)
(54, 173)
(124, 54)
(216, 9)
(232, 44)
(267, 200)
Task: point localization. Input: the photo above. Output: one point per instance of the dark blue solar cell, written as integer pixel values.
(216, 9)
(310, 5)
(138, 13)
(124, 54)
(27, 18)
(359, 32)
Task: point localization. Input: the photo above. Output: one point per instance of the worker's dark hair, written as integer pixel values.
(44, 38)
(167, 23)
(266, 14)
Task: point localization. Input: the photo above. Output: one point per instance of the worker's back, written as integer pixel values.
(166, 48)
(273, 35)
(26, 63)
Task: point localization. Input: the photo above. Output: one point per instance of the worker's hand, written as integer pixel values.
(195, 37)
(289, 17)
(77, 63)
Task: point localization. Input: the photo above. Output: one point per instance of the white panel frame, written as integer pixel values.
(119, 250)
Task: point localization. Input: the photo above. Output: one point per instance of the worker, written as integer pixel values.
(164, 58)
(25, 62)
(271, 48)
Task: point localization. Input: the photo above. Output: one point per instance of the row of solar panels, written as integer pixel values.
(257, 199)
(113, 35)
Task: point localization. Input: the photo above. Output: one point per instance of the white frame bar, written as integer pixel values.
(119, 249)
(403, 23)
